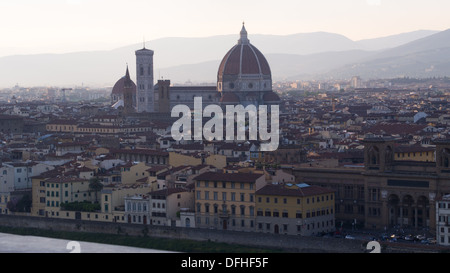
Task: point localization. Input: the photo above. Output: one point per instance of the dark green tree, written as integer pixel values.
(95, 185)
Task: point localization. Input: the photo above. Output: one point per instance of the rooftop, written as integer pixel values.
(300, 190)
(228, 177)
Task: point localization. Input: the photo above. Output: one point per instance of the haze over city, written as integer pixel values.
(61, 26)
(356, 94)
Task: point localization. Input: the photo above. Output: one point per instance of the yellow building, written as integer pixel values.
(227, 200)
(48, 193)
(132, 172)
(60, 125)
(178, 159)
(38, 195)
(60, 190)
(295, 209)
(112, 201)
(415, 153)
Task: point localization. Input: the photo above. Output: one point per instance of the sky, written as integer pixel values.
(61, 26)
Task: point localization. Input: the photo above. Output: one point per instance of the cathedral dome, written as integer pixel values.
(244, 68)
(118, 90)
(119, 86)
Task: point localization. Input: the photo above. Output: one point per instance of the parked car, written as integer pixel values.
(420, 237)
(409, 238)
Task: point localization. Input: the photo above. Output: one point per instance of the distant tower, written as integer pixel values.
(128, 88)
(163, 96)
(144, 80)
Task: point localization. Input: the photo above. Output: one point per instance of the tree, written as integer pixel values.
(95, 185)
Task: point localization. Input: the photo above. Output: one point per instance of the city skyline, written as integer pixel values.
(55, 26)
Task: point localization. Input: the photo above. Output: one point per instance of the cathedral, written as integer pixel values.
(244, 77)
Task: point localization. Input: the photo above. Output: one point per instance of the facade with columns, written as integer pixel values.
(386, 193)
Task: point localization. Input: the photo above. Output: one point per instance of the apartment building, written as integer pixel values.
(295, 209)
(62, 189)
(227, 200)
(161, 207)
(443, 218)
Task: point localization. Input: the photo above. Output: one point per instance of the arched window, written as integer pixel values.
(374, 156)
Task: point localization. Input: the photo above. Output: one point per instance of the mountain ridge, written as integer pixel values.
(314, 53)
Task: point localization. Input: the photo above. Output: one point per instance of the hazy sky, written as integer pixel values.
(57, 26)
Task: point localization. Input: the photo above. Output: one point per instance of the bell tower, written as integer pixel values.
(144, 80)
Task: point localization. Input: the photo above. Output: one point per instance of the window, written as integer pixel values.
(348, 191)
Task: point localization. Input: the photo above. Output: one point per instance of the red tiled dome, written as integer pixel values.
(244, 58)
(120, 86)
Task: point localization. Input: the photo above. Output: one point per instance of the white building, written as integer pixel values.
(18, 174)
(166, 207)
(137, 209)
(443, 221)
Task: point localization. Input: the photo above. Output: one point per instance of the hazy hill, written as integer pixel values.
(426, 57)
(197, 59)
(394, 40)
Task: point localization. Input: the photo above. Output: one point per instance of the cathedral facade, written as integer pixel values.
(244, 77)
